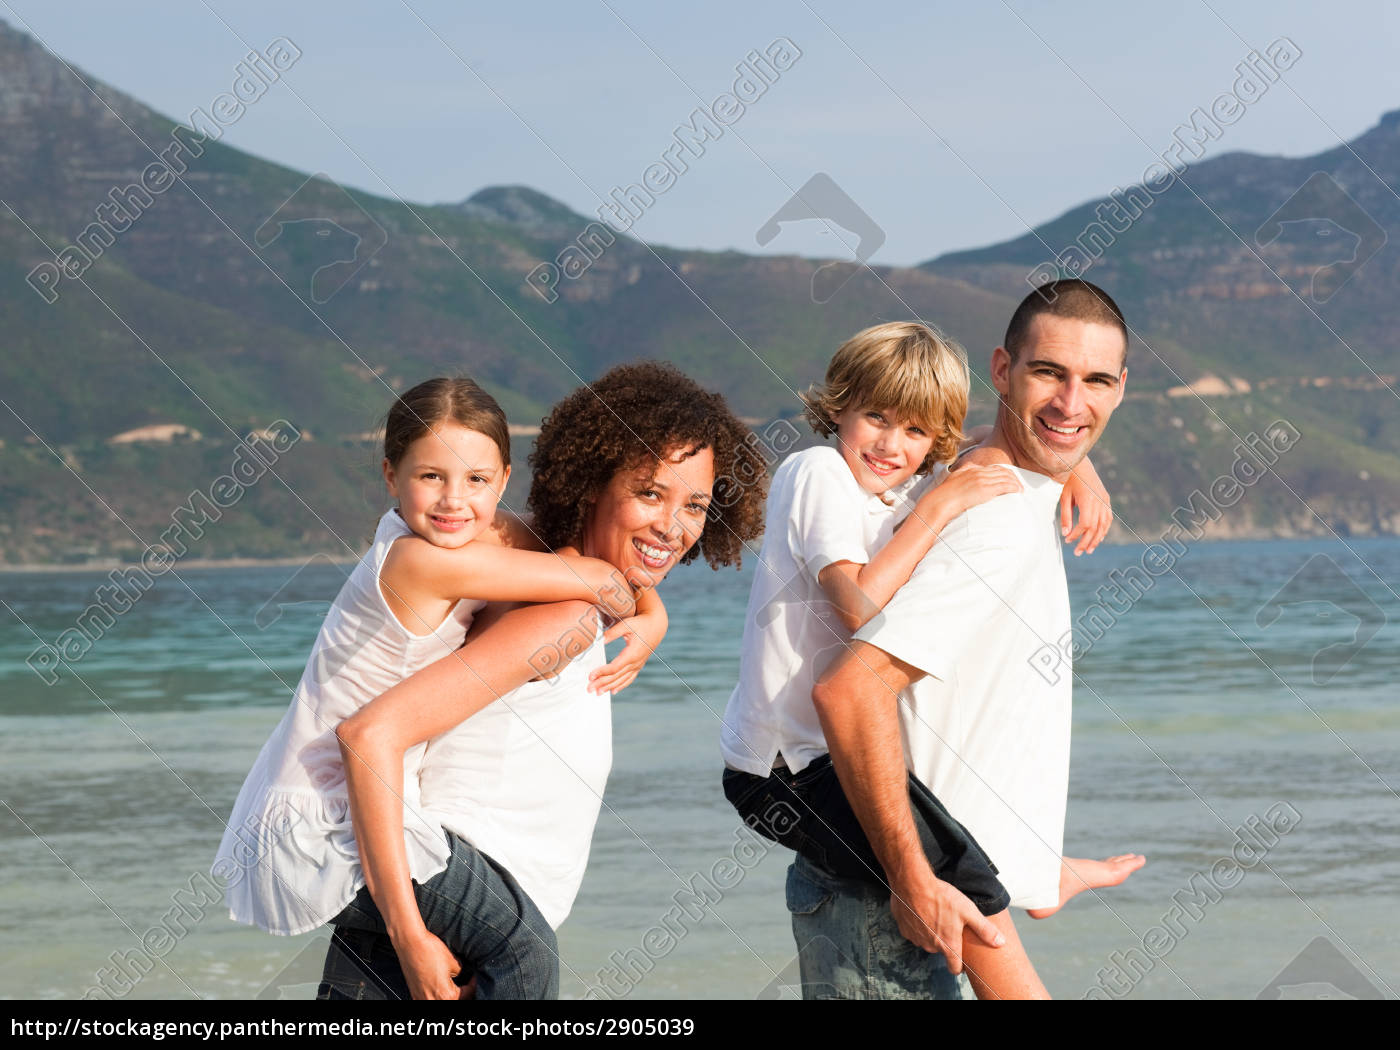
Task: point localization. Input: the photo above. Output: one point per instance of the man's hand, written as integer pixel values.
(856, 703)
(936, 916)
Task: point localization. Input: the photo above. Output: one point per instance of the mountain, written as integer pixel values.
(1261, 288)
(153, 277)
(1266, 267)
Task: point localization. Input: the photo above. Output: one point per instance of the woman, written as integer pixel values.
(639, 469)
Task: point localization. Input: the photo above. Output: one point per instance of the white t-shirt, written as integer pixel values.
(985, 731)
(522, 780)
(817, 515)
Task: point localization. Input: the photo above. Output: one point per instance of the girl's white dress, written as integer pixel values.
(288, 858)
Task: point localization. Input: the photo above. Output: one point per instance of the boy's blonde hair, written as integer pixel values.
(906, 368)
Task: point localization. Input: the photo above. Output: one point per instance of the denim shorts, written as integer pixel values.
(808, 812)
(478, 909)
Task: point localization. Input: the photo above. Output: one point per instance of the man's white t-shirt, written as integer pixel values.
(986, 732)
(817, 515)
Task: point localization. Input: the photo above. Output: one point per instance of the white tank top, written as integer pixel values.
(522, 780)
(288, 858)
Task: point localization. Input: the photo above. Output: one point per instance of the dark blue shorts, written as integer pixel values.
(808, 813)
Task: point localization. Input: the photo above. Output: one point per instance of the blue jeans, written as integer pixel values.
(849, 946)
(478, 910)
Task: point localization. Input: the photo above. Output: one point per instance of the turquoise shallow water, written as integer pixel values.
(1190, 718)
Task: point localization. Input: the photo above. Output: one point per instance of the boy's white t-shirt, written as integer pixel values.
(987, 732)
(817, 515)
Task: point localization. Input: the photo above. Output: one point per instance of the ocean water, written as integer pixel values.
(1255, 687)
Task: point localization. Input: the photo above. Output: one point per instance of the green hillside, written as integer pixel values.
(243, 293)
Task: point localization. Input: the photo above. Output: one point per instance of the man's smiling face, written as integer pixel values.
(1059, 393)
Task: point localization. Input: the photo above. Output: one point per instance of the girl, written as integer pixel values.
(290, 854)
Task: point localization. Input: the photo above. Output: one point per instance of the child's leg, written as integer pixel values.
(1005, 972)
(1078, 875)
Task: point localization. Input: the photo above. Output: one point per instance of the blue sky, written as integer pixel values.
(952, 125)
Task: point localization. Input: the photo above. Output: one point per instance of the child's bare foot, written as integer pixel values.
(1078, 875)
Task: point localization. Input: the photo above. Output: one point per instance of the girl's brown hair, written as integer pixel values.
(443, 400)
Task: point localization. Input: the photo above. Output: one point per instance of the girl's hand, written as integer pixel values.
(612, 591)
(967, 487)
(430, 967)
(644, 633)
(1085, 492)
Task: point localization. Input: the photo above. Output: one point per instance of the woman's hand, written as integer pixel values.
(644, 633)
(429, 966)
(1085, 492)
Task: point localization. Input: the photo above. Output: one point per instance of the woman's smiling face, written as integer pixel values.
(647, 517)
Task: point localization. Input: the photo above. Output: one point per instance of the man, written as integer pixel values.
(985, 732)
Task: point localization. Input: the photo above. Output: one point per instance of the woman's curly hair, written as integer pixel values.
(635, 414)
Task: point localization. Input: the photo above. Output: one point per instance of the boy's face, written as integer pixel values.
(881, 451)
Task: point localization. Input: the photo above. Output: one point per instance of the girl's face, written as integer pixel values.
(646, 518)
(448, 484)
(881, 451)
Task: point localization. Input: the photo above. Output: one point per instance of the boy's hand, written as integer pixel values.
(967, 487)
(1085, 492)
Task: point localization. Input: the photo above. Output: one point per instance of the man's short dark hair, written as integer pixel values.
(1070, 298)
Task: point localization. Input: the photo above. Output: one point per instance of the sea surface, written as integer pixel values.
(1252, 685)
